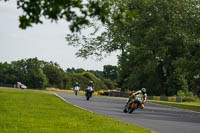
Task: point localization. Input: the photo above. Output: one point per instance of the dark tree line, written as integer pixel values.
(40, 74)
(109, 72)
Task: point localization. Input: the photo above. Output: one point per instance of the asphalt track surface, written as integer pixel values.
(158, 118)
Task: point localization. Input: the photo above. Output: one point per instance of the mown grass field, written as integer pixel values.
(194, 106)
(23, 111)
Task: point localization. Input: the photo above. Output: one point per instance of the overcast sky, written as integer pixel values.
(46, 42)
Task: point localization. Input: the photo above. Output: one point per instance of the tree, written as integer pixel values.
(162, 33)
(97, 73)
(77, 12)
(54, 74)
(164, 30)
(7, 74)
(34, 76)
(110, 72)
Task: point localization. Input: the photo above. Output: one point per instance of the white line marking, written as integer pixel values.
(72, 104)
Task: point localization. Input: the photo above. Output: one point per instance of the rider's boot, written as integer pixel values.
(142, 106)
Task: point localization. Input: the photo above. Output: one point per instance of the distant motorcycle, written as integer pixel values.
(88, 92)
(76, 90)
(133, 105)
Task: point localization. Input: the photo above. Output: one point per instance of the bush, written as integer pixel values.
(180, 93)
(189, 94)
(83, 79)
(109, 84)
(188, 99)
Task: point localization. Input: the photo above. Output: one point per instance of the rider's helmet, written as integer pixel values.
(91, 83)
(76, 84)
(143, 90)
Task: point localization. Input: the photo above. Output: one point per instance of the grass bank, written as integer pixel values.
(194, 106)
(23, 111)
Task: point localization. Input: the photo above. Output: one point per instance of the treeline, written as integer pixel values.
(37, 74)
(40, 74)
(159, 42)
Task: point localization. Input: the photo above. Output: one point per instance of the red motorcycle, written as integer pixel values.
(133, 104)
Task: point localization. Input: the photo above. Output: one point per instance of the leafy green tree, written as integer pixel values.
(7, 74)
(162, 33)
(109, 84)
(54, 74)
(71, 70)
(28, 71)
(110, 72)
(97, 73)
(34, 76)
(77, 12)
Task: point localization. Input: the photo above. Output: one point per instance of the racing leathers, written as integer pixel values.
(140, 97)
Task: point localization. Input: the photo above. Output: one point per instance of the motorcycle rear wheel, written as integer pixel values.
(126, 108)
(131, 109)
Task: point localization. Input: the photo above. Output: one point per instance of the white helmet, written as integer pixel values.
(143, 90)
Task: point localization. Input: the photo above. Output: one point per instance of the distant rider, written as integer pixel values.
(76, 88)
(77, 85)
(141, 94)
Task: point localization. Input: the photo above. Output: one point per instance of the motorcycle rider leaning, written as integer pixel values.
(139, 94)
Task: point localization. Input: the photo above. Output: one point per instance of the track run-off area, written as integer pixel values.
(158, 118)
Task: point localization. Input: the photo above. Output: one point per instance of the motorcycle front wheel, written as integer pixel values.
(76, 93)
(87, 96)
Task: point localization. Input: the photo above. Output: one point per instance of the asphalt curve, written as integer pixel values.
(158, 118)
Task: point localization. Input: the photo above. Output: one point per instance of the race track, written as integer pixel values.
(158, 118)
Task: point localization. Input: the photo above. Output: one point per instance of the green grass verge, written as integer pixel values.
(23, 111)
(194, 106)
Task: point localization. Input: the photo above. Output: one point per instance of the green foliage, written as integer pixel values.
(7, 74)
(83, 80)
(110, 72)
(180, 93)
(54, 74)
(158, 42)
(98, 74)
(77, 12)
(40, 74)
(157, 45)
(73, 70)
(98, 84)
(68, 82)
(89, 76)
(183, 94)
(109, 84)
(27, 71)
(188, 99)
(190, 94)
